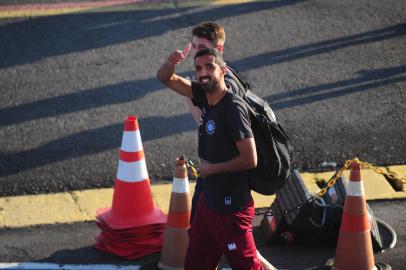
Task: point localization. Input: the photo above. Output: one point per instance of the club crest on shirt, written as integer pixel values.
(210, 127)
(227, 201)
(232, 246)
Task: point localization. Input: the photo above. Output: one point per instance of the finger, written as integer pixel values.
(173, 61)
(186, 50)
(195, 172)
(175, 57)
(199, 172)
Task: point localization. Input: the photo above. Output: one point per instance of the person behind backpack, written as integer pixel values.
(225, 210)
(212, 35)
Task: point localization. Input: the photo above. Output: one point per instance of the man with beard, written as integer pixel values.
(225, 210)
(212, 35)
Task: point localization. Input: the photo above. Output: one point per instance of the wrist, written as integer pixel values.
(169, 64)
(213, 168)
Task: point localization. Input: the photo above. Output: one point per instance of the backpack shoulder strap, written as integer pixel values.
(243, 83)
(239, 86)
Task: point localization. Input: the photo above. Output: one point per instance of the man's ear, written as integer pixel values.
(220, 47)
(224, 70)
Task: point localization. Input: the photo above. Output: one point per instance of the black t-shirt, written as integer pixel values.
(221, 125)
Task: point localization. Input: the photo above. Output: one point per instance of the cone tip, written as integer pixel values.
(355, 165)
(355, 173)
(131, 123)
(180, 161)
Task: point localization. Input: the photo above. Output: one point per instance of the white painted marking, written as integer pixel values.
(53, 266)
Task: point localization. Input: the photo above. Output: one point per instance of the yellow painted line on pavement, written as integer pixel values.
(77, 206)
(80, 206)
(37, 13)
(51, 9)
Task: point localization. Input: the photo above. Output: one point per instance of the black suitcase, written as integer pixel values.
(311, 223)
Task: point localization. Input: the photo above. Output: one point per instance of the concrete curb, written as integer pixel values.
(80, 206)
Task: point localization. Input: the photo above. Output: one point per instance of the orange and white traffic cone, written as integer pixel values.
(132, 200)
(176, 237)
(133, 227)
(354, 246)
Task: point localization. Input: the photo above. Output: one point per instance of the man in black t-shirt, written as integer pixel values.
(222, 125)
(222, 224)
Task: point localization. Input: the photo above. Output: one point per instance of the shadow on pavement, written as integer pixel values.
(367, 80)
(84, 143)
(326, 46)
(134, 90)
(36, 39)
(109, 137)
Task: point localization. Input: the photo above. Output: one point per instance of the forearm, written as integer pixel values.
(245, 160)
(165, 72)
(235, 164)
(166, 75)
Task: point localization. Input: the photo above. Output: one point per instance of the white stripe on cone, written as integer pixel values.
(131, 141)
(132, 171)
(180, 185)
(355, 189)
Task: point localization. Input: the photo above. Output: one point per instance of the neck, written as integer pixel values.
(214, 97)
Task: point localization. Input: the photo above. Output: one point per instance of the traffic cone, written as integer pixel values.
(132, 201)
(354, 245)
(176, 237)
(133, 227)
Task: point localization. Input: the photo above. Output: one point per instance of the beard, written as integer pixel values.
(208, 86)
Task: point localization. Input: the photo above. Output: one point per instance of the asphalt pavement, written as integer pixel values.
(74, 244)
(333, 71)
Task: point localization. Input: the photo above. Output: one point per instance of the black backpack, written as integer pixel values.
(273, 144)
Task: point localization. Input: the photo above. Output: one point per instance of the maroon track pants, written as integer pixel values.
(213, 234)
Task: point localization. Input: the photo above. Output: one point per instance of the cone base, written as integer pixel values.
(128, 253)
(155, 217)
(354, 251)
(378, 266)
(173, 254)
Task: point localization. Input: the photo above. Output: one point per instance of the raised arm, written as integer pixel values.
(166, 73)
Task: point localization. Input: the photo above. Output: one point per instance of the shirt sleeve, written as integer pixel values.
(240, 122)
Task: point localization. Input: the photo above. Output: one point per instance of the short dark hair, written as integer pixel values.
(211, 31)
(214, 52)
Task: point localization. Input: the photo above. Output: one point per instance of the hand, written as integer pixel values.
(204, 169)
(177, 56)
